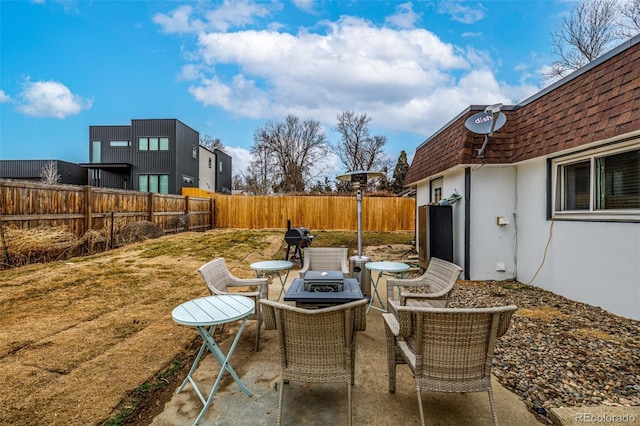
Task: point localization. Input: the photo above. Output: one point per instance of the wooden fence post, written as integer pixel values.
(212, 212)
(88, 212)
(186, 213)
(151, 207)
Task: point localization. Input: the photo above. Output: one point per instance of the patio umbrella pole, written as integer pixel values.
(359, 199)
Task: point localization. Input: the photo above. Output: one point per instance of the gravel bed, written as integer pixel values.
(558, 352)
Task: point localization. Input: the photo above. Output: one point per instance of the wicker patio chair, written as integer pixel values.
(447, 349)
(433, 289)
(220, 281)
(325, 259)
(316, 345)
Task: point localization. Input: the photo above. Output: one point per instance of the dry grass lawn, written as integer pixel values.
(79, 338)
(76, 336)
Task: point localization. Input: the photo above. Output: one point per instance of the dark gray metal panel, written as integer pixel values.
(177, 162)
(223, 177)
(110, 154)
(106, 134)
(187, 166)
(70, 173)
(153, 162)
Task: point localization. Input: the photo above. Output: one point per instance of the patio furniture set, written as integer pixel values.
(446, 349)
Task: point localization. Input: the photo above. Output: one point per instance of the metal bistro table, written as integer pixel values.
(205, 314)
(394, 268)
(276, 266)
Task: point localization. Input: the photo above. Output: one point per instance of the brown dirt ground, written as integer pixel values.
(80, 338)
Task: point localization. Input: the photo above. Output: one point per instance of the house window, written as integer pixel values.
(95, 151)
(209, 162)
(119, 143)
(436, 190)
(153, 183)
(220, 166)
(601, 184)
(164, 144)
(153, 144)
(95, 177)
(194, 151)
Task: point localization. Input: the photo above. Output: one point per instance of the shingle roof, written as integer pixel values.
(600, 101)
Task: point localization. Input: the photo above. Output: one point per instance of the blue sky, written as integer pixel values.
(227, 68)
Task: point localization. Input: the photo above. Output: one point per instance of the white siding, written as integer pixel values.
(493, 195)
(207, 174)
(594, 262)
(597, 263)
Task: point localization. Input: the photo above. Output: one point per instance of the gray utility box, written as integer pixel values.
(358, 271)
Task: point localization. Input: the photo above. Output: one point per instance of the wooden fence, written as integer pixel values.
(85, 208)
(313, 212)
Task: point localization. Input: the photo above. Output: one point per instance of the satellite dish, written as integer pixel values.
(483, 123)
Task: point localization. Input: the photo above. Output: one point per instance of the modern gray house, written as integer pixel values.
(70, 173)
(155, 155)
(149, 155)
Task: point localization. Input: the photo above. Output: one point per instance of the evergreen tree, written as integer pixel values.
(399, 173)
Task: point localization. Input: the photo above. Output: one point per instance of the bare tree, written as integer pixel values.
(358, 150)
(591, 29)
(584, 35)
(211, 143)
(260, 174)
(49, 173)
(630, 20)
(296, 149)
(237, 183)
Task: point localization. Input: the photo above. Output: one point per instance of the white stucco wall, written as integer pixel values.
(207, 175)
(493, 195)
(597, 263)
(594, 262)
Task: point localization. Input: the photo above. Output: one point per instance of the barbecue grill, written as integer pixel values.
(298, 238)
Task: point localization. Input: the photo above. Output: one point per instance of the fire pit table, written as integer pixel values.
(323, 295)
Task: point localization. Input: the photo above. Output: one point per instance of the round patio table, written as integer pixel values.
(205, 314)
(276, 266)
(394, 268)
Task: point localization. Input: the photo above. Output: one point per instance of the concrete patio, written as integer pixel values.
(315, 404)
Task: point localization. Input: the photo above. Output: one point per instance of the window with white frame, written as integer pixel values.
(599, 184)
(436, 190)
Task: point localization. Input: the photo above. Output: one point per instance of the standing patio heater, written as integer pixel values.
(358, 180)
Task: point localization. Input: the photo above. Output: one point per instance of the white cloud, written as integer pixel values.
(231, 14)
(4, 97)
(399, 77)
(467, 13)
(50, 99)
(404, 17)
(305, 5)
(406, 79)
(178, 21)
(240, 159)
